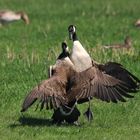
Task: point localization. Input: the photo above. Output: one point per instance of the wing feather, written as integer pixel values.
(99, 85)
(119, 72)
(48, 92)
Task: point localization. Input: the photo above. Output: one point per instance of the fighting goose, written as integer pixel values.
(127, 44)
(7, 16)
(83, 62)
(67, 87)
(52, 92)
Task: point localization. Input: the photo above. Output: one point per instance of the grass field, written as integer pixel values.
(27, 51)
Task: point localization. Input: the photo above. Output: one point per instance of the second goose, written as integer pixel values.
(82, 61)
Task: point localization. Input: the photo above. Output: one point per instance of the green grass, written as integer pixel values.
(27, 51)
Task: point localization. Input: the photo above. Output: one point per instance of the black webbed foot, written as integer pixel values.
(88, 114)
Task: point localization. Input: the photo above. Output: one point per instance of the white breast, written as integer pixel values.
(80, 57)
(10, 16)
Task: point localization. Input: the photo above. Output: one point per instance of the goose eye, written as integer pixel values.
(71, 29)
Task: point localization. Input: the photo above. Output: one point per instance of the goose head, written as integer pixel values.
(72, 32)
(65, 47)
(62, 61)
(64, 56)
(65, 51)
(24, 17)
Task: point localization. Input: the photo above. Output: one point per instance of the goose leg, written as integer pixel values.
(88, 114)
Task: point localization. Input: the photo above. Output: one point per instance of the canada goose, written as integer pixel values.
(58, 116)
(111, 68)
(127, 44)
(53, 91)
(7, 16)
(67, 87)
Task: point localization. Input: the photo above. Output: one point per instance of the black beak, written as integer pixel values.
(70, 35)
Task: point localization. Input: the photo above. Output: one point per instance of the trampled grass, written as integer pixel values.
(27, 51)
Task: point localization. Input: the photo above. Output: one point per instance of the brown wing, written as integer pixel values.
(50, 93)
(119, 72)
(94, 83)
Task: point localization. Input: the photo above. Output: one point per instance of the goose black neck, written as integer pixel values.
(74, 37)
(63, 55)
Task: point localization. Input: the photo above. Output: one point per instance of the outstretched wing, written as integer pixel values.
(49, 92)
(118, 71)
(94, 83)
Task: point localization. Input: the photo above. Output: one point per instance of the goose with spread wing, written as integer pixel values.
(82, 60)
(52, 92)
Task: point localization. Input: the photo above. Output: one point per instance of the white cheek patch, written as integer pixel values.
(74, 29)
(67, 48)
